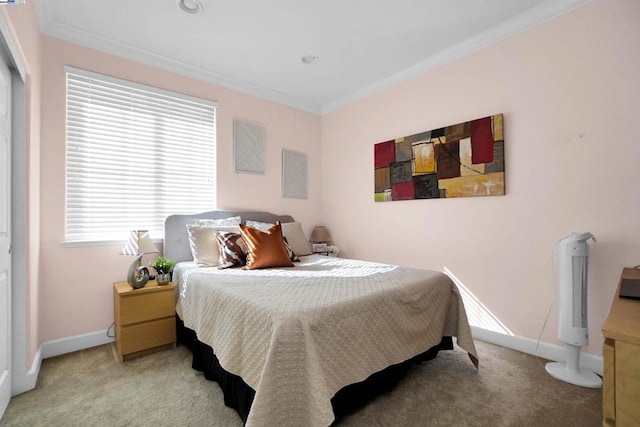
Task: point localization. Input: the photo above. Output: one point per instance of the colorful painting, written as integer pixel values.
(463, 160)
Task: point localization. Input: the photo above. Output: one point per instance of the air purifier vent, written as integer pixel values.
(579, 291)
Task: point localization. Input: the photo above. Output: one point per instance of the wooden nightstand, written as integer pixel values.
(144, 319)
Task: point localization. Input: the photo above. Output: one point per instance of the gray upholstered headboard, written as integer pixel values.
(176, 238)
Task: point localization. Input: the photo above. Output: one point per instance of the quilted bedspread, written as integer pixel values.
(298, 335)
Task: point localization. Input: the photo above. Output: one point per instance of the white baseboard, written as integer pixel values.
(545, 350)
(525, 345)
(74, 343)
(24, 381)
(80, 342)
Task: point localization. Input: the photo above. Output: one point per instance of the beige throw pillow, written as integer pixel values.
(204, 245)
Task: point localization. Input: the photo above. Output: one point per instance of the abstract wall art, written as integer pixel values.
(462, 160)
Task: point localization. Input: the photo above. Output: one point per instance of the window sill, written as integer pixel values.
(90, 243)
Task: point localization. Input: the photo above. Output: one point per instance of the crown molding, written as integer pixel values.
(547, 11)
(511, 27)
(49, 27)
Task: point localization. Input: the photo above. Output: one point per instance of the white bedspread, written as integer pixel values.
(298, 335)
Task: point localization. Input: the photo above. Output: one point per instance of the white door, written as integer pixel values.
(5, 236)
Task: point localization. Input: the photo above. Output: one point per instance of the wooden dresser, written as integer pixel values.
(144, 319)
(621, 352)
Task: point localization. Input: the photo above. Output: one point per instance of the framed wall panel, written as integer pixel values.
(294, 174)
(248, 147)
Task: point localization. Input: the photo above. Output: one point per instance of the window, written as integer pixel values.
(135, 154)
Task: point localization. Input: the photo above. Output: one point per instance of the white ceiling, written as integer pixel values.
(255, 46)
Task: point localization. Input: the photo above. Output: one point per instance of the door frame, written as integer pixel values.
(22, 378)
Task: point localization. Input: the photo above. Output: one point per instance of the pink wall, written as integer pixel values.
(24, 29)
(570, 96)
(76, 283)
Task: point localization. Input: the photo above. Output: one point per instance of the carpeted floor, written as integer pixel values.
(89, 388)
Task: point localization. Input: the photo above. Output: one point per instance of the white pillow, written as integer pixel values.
(296, 238)
(234, 220)
(204, 245)
(262, 226)
(292, 231)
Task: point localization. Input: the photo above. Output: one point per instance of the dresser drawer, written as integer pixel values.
(143, 336)
(135, 308)
(608, 382)
(627, 384)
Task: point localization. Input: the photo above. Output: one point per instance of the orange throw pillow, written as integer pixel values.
(265, 250)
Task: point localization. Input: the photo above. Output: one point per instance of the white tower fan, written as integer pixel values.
(573, 322)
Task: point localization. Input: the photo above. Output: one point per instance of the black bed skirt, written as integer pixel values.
(239, 396)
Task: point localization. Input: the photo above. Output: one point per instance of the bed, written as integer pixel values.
(289, 346)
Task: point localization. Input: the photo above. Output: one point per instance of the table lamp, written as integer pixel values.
(138, 243)
(319, 239)
(320, 234)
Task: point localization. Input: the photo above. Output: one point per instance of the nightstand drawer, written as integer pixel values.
(142, 336)
(135, 308)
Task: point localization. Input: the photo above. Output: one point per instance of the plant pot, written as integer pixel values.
(163, 278)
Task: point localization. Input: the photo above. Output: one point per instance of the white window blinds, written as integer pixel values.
(135, 154)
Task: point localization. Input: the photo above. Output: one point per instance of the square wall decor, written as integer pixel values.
(462, 160)
(248, 147)
(294, 174)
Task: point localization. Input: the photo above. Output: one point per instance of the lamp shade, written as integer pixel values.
(138, 242)
(320, 234)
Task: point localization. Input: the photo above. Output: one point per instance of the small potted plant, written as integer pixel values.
(163, 268)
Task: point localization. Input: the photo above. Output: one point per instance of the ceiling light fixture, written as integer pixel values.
(190, 6)
(309, 59)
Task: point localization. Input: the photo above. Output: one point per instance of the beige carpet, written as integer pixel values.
(89, 388)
